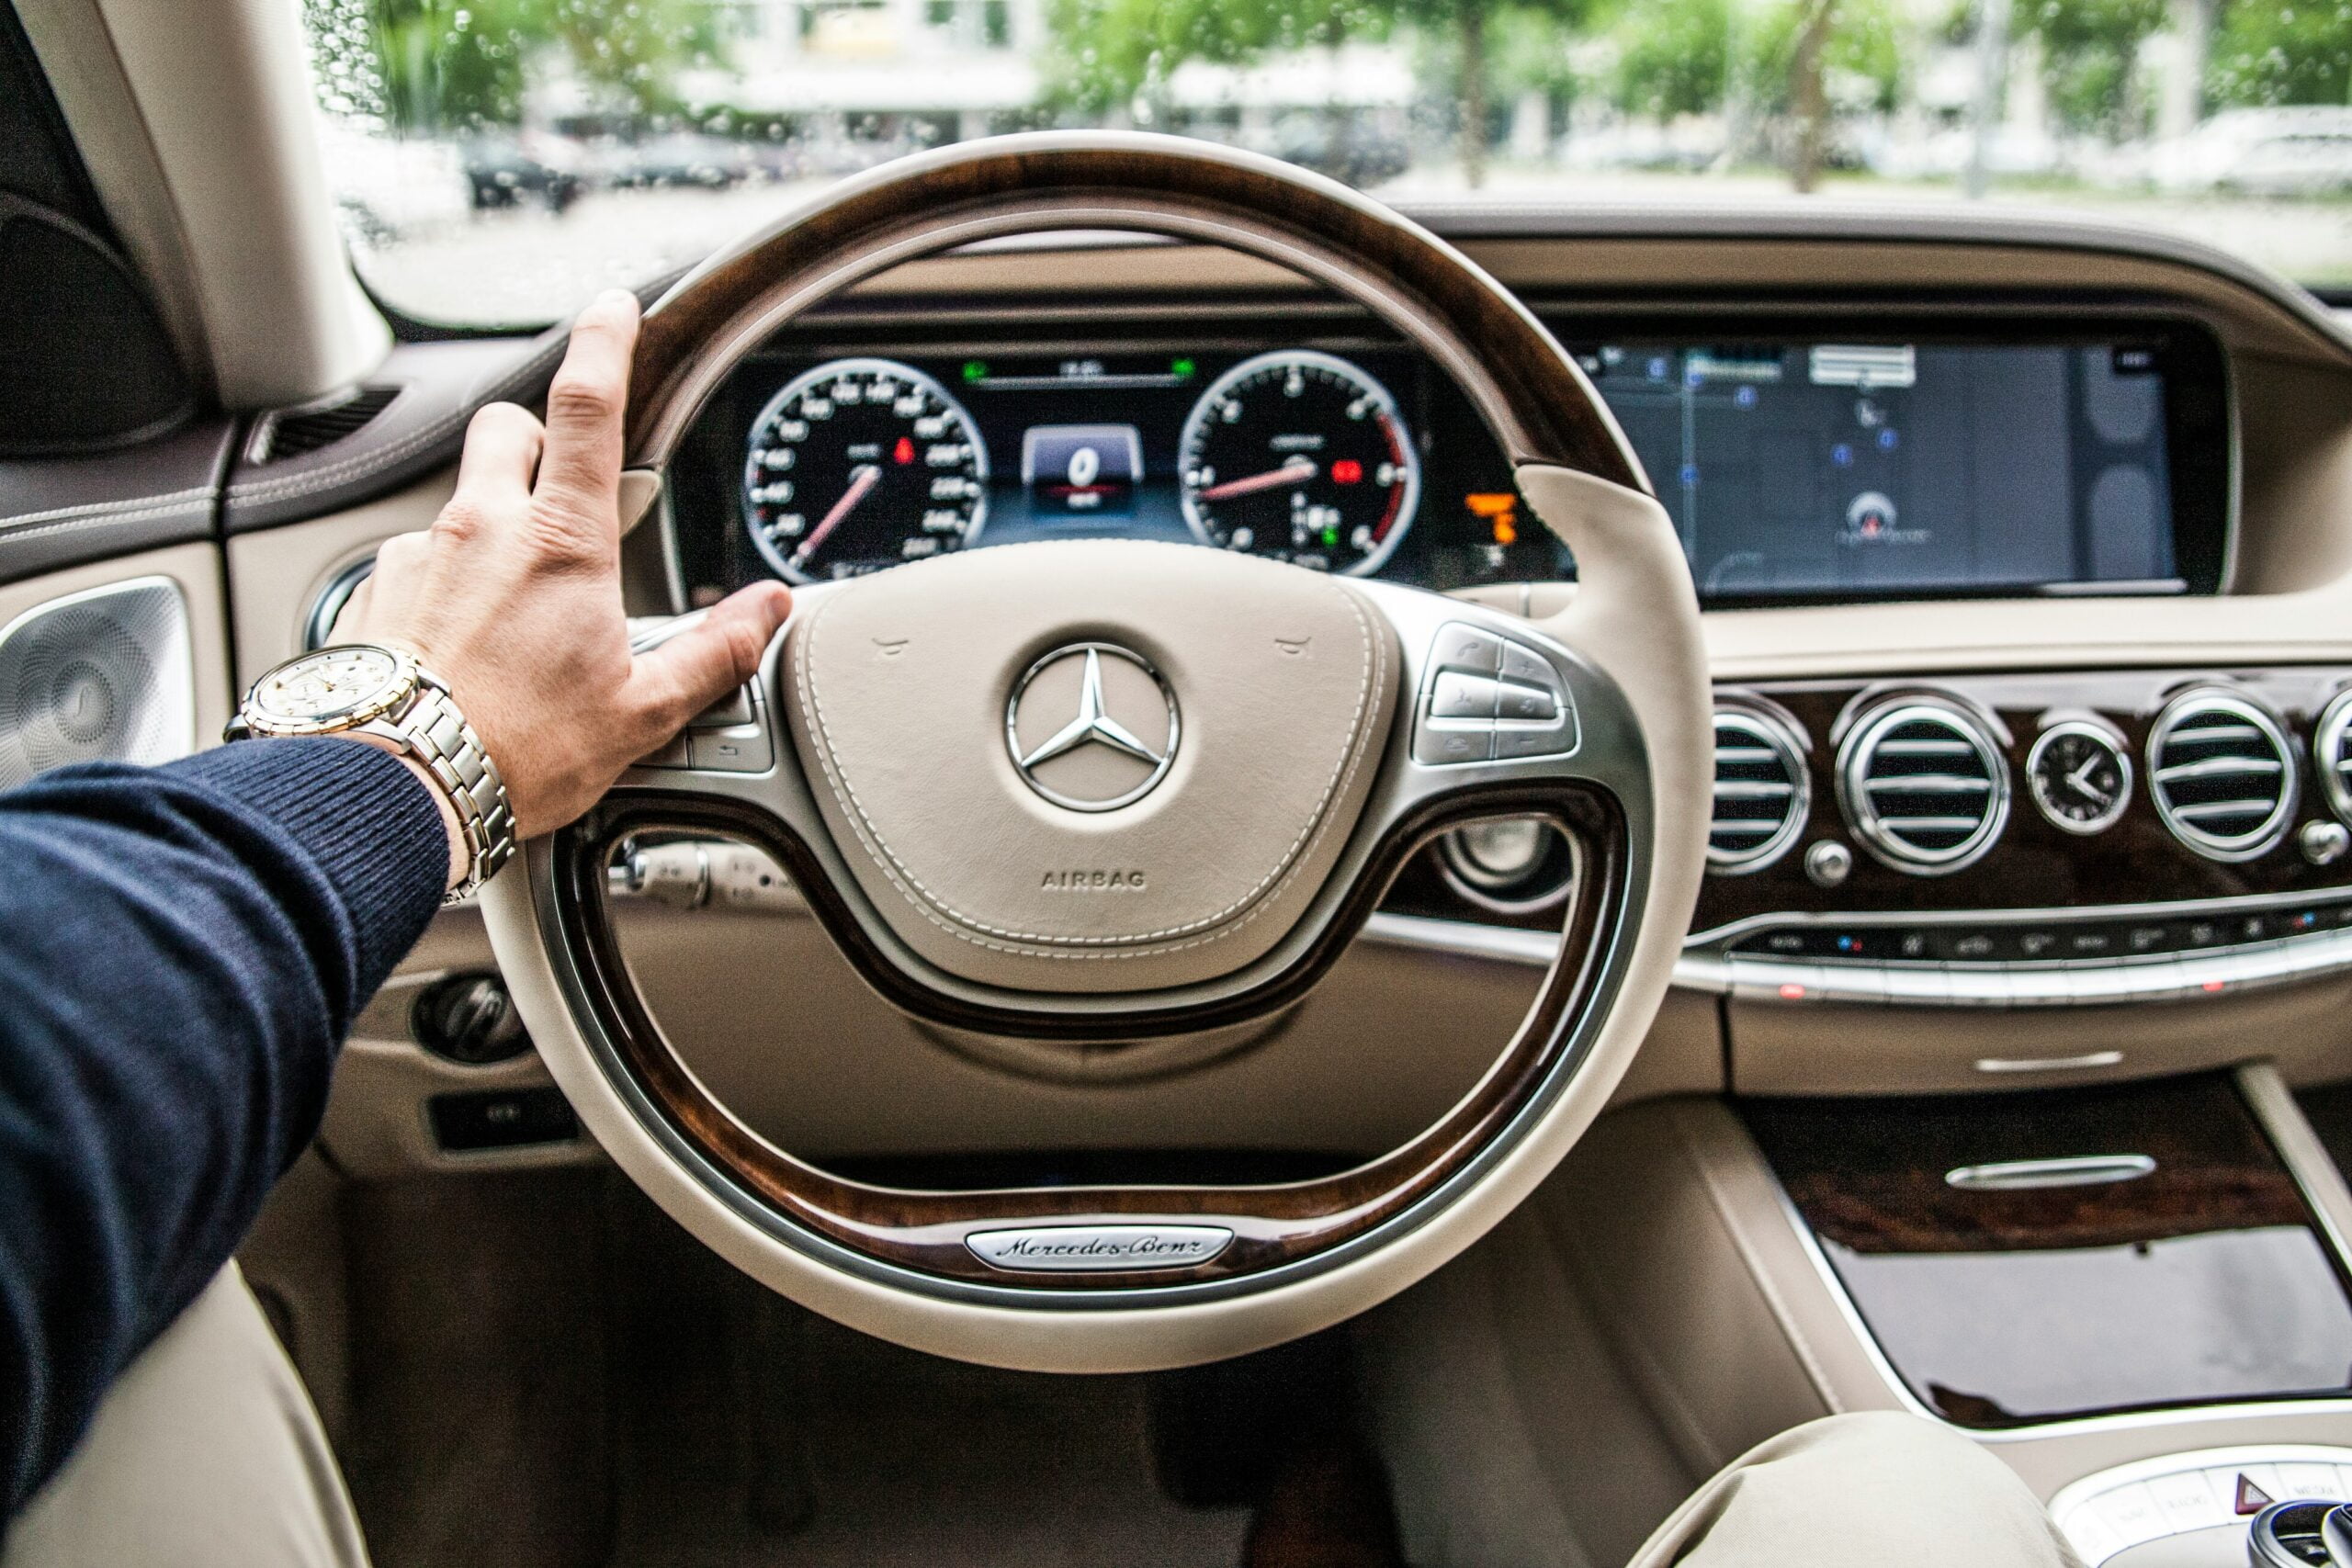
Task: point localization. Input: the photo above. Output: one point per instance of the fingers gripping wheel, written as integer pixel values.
(1115, 791)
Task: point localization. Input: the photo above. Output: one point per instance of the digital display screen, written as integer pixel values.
(1796, 466)
(1833, 468)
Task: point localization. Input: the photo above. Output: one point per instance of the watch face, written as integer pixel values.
(332, 683)
(2080, 777)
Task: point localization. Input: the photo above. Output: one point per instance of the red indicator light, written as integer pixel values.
(1791, 992)
(2211, 986)
(1347, 471)
(904, 452)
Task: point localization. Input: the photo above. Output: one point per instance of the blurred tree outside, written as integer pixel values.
(2265, 53)
(1113, 55)
(439, 66)
(2091, 57)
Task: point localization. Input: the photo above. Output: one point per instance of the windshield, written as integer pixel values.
(497, 162)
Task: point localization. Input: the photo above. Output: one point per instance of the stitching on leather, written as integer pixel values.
(1144, 944)
(363, 464)
(96, 511)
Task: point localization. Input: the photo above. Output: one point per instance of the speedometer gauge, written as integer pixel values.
(861, 464)
(1300, 456)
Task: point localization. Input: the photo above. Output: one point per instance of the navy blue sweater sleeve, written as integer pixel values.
(181, 950)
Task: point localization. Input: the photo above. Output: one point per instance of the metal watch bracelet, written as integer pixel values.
(439, 738)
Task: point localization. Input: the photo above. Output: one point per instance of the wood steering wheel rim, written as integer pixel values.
(926, 1268)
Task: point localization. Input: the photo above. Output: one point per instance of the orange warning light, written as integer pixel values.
(1500, 508)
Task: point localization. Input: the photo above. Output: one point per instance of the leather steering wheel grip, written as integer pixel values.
(1303, 1257)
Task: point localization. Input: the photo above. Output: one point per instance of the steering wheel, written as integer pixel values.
(1088, 793)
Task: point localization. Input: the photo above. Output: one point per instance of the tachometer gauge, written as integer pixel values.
(861, 464)
(1300, 456)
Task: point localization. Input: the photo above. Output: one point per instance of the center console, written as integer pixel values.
(2042, 1263)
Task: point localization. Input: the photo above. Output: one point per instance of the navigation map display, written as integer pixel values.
(1827, 468)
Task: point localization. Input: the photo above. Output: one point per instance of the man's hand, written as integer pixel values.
(513, 595)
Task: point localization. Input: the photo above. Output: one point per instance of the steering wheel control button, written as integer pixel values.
(1460, 647)
(725, 737)
(1457, 696)
(1121, 1250)
(1489, 698)
(1438, 743)
(1531, 704)
(738, 748)
(1093, 727)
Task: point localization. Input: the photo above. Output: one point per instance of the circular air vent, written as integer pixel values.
(2221, 773)
(1763, 791)
(1925, 788)
(2332, 750)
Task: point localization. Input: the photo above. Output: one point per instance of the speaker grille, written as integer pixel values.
(97, 677)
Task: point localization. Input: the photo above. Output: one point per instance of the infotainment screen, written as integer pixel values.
(1875, 468)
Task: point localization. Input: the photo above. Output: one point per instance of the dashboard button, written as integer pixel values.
(1457, 696)
(1460, 647)
(1524, 663)
(2040, 944)
(2089, 942)
(1519, 702)
(739, 748)
(735, 707)
(1438, 747)
(2148, 937)
(1545, 740)
(1963, 944)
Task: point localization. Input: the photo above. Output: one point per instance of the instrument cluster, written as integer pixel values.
(1295, 454)
(1347, 458)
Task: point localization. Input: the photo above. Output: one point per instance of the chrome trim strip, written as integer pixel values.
(2035, 1175)
(1509, 944)
(2088, 1062)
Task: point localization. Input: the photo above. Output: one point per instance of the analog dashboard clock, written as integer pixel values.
(2080, 775)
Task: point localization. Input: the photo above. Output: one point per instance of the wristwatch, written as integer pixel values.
(362, 689)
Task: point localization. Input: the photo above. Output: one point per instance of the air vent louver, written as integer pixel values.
(296, 431)
(2221, 773)
(1763, 792)
(2332, 749)
(1925, 788)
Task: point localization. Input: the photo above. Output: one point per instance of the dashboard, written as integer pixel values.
(1803, 461)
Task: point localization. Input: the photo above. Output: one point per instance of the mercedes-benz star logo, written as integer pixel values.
(1118, 743)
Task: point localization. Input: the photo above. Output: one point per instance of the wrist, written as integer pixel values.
(460, 855)
(381, 695)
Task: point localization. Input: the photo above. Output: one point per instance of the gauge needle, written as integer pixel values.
(2080, 780)
(862, 480)
(1296, 471)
